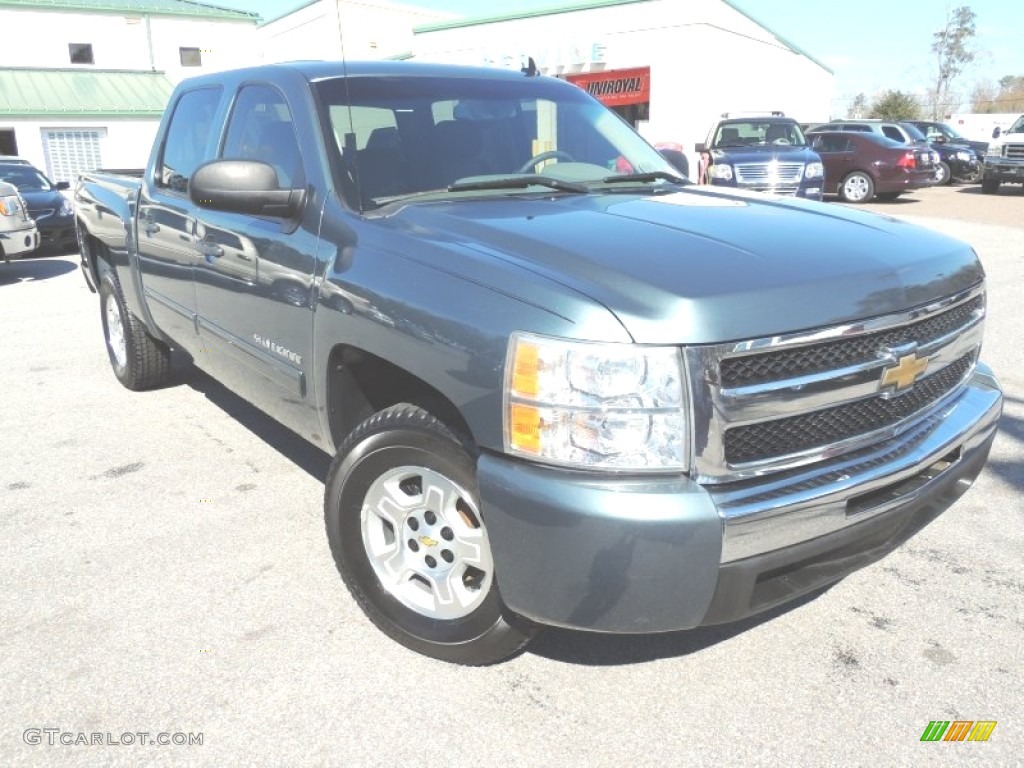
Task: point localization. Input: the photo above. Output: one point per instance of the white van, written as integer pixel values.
(18, 233)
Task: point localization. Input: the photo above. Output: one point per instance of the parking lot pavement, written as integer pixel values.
(164, 569)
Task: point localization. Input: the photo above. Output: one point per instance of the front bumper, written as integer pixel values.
(657, 554)
(19, 243)
(1002, 169)
(56, 231)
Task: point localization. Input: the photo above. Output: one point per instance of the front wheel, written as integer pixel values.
(990, 186)
(139, 361)
(403, 521)
(858, 187)
(943, 175)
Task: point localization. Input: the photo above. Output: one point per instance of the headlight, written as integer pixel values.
(595, 406)
(814, 171)
(721, 171)
(965, 156)
(10, 206)
(66, 209)
(994, 150)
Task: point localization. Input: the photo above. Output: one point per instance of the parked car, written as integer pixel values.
(862, 166)
(1004, 161)
(18, 233)
(944, 133)
(52, 211)
(763, 153)
(951, 162)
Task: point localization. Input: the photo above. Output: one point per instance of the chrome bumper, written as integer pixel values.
(803, 505)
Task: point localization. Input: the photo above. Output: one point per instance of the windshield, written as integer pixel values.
(758, 133)
(1017, 127)
(25, 178)
(400, 137)
(914, 132)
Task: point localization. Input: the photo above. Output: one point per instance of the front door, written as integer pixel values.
(166, 222)
(254, 274)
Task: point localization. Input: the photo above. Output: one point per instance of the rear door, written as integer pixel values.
(254, 274)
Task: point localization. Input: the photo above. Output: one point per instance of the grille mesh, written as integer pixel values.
(803, 361)
(800, 433)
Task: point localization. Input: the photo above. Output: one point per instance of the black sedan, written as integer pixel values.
(51, 210)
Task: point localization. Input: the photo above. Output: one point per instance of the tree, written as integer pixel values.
(951, 46)
(896, 105)
(859, 106)
(1007, 96)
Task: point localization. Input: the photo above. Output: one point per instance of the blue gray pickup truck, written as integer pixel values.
(555, 394)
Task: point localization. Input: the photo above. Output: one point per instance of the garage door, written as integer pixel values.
(72, 151)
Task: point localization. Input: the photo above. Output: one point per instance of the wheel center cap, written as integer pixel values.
(428, 542)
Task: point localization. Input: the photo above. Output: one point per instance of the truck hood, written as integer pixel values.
(700, 266)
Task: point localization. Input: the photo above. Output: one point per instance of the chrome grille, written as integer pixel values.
(753, 369)
(776, 403)
(1014, 151)
(826, 427)
(783, 178)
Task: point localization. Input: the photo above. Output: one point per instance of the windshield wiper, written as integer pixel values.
(652, 176)
(518, 182)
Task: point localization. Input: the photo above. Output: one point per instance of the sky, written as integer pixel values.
(871, 45)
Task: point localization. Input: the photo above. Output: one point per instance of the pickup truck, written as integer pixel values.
(1004, 160)
(554, 394)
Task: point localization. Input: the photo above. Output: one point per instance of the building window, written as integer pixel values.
(81, 53)
(71, 152)
(191, 57)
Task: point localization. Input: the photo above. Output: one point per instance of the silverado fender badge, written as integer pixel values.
(277, 349)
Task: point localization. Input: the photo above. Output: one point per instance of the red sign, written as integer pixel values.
(617, 87)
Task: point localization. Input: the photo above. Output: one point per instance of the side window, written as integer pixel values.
(894, 133)
(260, 128)
(188, 136)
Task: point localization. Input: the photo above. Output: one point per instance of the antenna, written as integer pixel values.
(348, 159)
(530, 70)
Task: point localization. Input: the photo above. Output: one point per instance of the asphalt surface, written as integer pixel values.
(164, 569)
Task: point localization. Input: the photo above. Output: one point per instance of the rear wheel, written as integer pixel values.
(990, 186)
(139, 361)
(857, 187)
(403, 521)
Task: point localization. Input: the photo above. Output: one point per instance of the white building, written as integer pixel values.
(671, 68)
(336, 29)
(83, 83)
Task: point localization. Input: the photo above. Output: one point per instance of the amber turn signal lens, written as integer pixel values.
(525, 423)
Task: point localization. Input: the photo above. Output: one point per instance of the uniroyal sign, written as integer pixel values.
(616, 87)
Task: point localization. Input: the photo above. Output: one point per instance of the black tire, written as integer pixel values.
(401, 457)
(990, 186)
(943, 175)
(887, 197)
(139, 361)
(857, 187)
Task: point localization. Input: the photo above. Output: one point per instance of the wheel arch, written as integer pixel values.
(360, 384)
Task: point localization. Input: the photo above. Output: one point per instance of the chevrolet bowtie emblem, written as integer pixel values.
(906, 371)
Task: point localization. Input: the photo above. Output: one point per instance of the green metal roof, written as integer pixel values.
(130, 7)
(82, 93)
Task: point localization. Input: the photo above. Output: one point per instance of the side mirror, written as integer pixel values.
(940, 139)
(60, 186)
(996, 132)
(701, 147)
(677, 160)
(244, 186)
